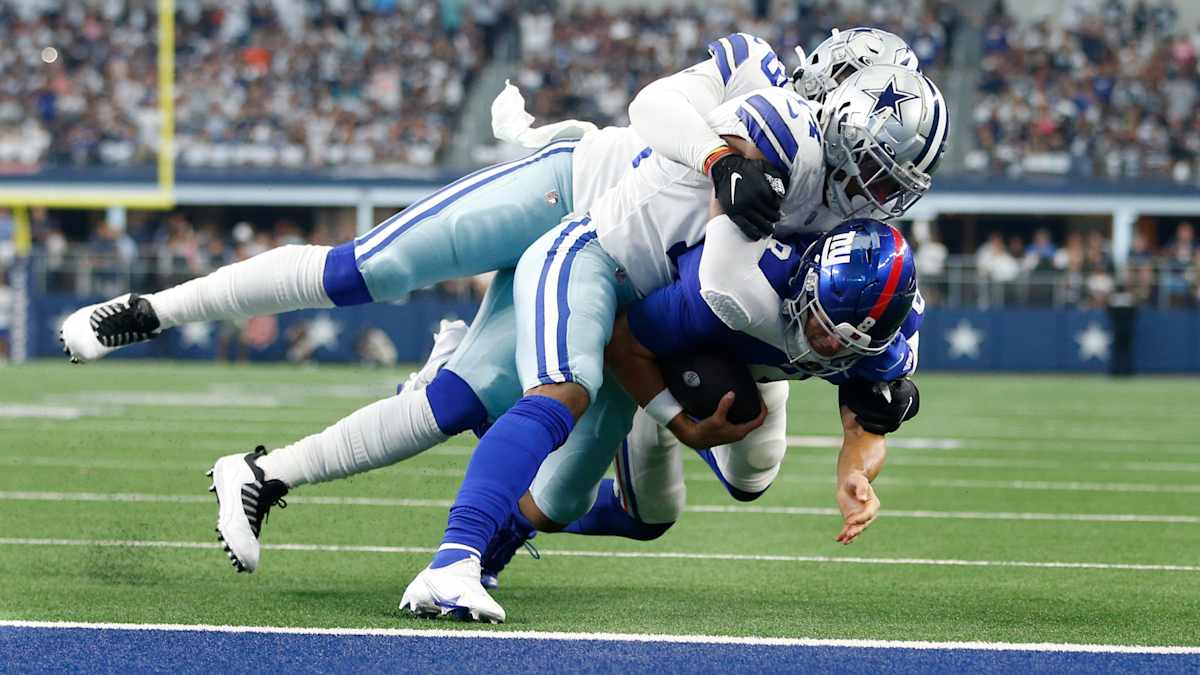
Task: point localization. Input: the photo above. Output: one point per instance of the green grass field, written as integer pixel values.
(95, 459)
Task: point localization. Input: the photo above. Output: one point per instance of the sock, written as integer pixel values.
(608, 517)
(501, 470)
(279, 280)
(380, 434)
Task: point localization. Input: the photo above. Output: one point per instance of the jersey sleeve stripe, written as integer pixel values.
(741, 49)
(761, 141)
(717, 49)
(783, 134)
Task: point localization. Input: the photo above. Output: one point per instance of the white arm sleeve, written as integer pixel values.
(732, 284)
(669, 114)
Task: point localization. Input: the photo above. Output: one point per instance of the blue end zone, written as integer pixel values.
(91, 649)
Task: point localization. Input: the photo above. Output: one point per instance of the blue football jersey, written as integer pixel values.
(676, 318)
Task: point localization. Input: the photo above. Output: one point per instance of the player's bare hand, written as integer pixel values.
(715, 429)
(859, 505)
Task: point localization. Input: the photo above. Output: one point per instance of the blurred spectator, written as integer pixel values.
(325, 84)
(931, 260)
(997, 268)
(1039, 255)
(1179, 267)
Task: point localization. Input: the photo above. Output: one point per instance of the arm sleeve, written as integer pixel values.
(731, 282)
(669, 113)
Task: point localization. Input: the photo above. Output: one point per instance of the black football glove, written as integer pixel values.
(751, 192)
(879, 412)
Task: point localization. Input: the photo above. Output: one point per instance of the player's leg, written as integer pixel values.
(747, 468)
(566, 296)
(435, 405)
(482, 222)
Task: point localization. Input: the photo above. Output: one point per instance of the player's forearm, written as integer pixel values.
(634, 366)
(862, 451)
(669, 115)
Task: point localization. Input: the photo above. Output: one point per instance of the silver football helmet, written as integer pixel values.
(844, 53)
(885, 130)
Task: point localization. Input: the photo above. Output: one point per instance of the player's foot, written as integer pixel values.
(452, 591)
(509, 538)
(96, 331)
(446, 340)
(244, 497)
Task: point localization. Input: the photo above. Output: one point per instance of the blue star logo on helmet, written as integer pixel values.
(890, 98)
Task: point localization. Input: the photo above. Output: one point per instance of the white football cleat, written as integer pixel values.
(244, 497)
(93, 332)
(452, 591)
(446, 340)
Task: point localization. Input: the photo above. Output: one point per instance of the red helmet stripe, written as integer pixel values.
(889, 288)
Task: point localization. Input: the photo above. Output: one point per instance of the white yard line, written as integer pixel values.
(736, 557)
(136, 497)
(615, 637)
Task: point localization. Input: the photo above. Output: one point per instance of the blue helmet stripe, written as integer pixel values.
(783, 133)
(924, 157)
(759, 136)
(741, 49)
(718, 50)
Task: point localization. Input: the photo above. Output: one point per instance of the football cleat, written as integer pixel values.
(95, 331)
(244, 498)
(509, 538)
(452, 592)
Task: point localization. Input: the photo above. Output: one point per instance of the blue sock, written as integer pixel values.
(501, 470)
(455, 406)
(607, 517)
(740, 495)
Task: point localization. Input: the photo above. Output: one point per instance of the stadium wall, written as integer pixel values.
(1006, 340)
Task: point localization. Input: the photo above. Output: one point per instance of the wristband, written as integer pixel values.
(663, 408)
(715, 155)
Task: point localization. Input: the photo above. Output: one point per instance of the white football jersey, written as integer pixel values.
(660, 207)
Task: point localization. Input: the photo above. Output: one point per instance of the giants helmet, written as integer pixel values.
(844, 53)
(857, 282)
(885, 131)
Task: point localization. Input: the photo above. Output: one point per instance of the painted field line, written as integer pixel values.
(499, 634)
(457, 473)
(643, 555)
(899, 442)
(140, 497)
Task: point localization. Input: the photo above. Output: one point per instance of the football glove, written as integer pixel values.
(881, 407)
(750, 192)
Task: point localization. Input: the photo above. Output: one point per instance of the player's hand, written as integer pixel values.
(859, 505)
(750, 192)
(716, 429)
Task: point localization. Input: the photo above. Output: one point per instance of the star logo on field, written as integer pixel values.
(890, 98)
(1093, 342)
(196, 335)
(323, 332)
(964, 341)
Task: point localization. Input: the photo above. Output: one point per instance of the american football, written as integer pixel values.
(699, 380)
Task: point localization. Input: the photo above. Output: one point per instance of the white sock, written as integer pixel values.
(380, 434)
(279, 280)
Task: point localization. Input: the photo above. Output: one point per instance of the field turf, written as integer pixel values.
(1092, 485)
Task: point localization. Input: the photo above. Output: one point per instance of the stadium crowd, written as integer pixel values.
(284, 83)
(1078, 270)
(1103, 89)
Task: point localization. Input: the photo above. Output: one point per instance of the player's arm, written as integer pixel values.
(671, 320)
(860, 461)
(669, 114)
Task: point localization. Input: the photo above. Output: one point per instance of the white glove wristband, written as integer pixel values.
(663, 408)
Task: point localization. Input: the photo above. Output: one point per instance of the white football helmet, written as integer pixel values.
(844, 53)
(885, 130)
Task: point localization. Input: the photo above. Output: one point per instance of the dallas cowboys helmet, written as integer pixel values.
(844, 53)
(885, 131)
(853, 290)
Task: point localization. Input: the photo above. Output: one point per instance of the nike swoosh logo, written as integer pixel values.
(792, 111)
(733, 181)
